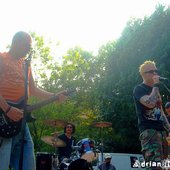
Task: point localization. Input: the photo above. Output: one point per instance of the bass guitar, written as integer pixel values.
(10, 128)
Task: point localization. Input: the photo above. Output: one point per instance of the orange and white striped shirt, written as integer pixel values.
(12, 78)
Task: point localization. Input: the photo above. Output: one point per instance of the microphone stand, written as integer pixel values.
(26, 67)
(165, 85)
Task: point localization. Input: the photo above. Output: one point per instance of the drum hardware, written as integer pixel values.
(55, 163)
(53, 141)
(67, 161)
(64, 164)
(76, 153)
(76, 147)
(101, 125)
(46, 161)
(55, 123)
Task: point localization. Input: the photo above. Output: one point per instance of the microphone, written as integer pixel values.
(163, 78)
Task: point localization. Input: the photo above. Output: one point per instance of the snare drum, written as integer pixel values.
(45, 161)
(86, 151)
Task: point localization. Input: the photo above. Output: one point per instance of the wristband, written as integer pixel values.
(9, 108)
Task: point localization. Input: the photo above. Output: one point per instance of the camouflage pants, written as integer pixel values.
(154, 146)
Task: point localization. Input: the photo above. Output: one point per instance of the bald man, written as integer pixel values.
(12, 89)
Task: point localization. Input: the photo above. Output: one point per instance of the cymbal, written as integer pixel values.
(55, 122)
(53, 141)
(102, 124)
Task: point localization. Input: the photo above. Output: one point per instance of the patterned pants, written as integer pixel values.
(154, 147)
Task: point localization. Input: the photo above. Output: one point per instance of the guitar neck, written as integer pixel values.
(42, 103)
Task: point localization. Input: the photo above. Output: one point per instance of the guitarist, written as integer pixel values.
(12, 89)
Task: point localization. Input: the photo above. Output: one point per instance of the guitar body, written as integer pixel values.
(9, 128)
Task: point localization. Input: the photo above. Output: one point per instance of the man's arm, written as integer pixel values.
(151, 100)
(4, 105)
(13, 113)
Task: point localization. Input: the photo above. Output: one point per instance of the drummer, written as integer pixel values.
(67, 137)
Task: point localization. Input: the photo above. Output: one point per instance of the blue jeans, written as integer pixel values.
(10, 152)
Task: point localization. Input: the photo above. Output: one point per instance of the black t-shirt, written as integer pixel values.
(66, 151)
(148, 118)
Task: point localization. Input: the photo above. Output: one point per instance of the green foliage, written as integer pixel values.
(141, 40)
(105, 83)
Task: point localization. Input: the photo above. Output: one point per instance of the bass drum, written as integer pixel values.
(79, 164)
(46, 161)
(87, 150)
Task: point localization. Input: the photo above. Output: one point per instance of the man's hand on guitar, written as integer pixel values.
(15, 114)
(63, 95)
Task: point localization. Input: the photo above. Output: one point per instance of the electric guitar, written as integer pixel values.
(10, 128)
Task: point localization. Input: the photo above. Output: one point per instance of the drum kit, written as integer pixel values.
(85, 148)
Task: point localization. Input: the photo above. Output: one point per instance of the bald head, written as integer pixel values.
(21, 44)
(20, 36)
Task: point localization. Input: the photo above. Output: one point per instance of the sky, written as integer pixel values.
(85, 23)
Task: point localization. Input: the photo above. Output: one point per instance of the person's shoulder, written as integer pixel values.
(62, 136)
(113, 167)
(138, 87)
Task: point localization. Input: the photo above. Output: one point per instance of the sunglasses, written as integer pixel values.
(151, 72)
